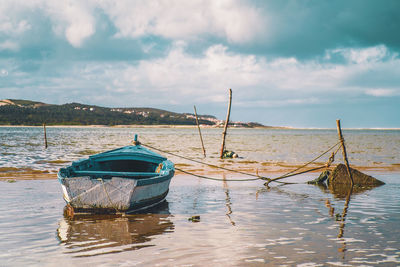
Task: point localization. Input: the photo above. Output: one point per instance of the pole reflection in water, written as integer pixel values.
(342, 192)
(90, 235)
(228, 202)
(343, 221)
(339, 192)
(344, 213)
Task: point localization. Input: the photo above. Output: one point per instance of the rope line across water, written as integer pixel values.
(220, 179)
(201, 162)
(258, 177)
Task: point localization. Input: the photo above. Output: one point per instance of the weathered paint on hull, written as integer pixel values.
(117, 194)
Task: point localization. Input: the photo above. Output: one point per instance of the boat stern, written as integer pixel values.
(61, 179)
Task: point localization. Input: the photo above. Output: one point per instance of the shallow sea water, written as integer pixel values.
(241, 223)
(265, 150)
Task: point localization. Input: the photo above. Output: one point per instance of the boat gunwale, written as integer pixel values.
(160, 177)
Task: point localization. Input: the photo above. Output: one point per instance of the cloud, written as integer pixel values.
(172, 53)
(3, 73)
(233, 21)
(181, 77)
(363, 55)
(381, 92)
(256, 81)
(73, 19)
(9, 45)
(9, 27)
(204, 78)
(269, 28)
(304, 30)
(236, 21)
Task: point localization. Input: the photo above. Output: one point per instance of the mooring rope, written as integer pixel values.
(291, 173)
(258, 177)
(201, 162)
(229, 180)
(308, 163)
(220, 179)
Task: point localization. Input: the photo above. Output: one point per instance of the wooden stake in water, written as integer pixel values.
(198, 127)
(226, 124)
(45, 135)
(344, 152)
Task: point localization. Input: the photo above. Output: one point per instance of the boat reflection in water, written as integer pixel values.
(90, 235)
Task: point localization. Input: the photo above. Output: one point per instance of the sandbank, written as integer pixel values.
(263, 171)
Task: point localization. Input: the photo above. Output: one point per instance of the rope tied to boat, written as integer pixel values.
(292, 173)
(258, 177)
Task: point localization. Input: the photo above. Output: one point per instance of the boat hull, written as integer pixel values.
(119, 180)
(117, 194)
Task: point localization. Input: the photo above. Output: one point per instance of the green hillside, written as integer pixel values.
(25, 112)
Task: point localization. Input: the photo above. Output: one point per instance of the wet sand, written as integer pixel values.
(255, 168)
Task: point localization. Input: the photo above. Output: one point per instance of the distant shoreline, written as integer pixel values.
(195, 126)
(145, 126)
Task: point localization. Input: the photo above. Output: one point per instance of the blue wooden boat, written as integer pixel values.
(126, 179)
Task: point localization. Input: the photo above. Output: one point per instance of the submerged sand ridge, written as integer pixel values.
(254, 168)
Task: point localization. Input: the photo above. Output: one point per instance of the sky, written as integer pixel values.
(289, 63)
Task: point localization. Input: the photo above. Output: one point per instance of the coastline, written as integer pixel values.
(143, 126)
(160, 126)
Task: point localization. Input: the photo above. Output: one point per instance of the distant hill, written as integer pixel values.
(25, 112)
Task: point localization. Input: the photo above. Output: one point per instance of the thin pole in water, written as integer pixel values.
(45, 135)
(198, 127)
(339, 129)
(226, 124)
